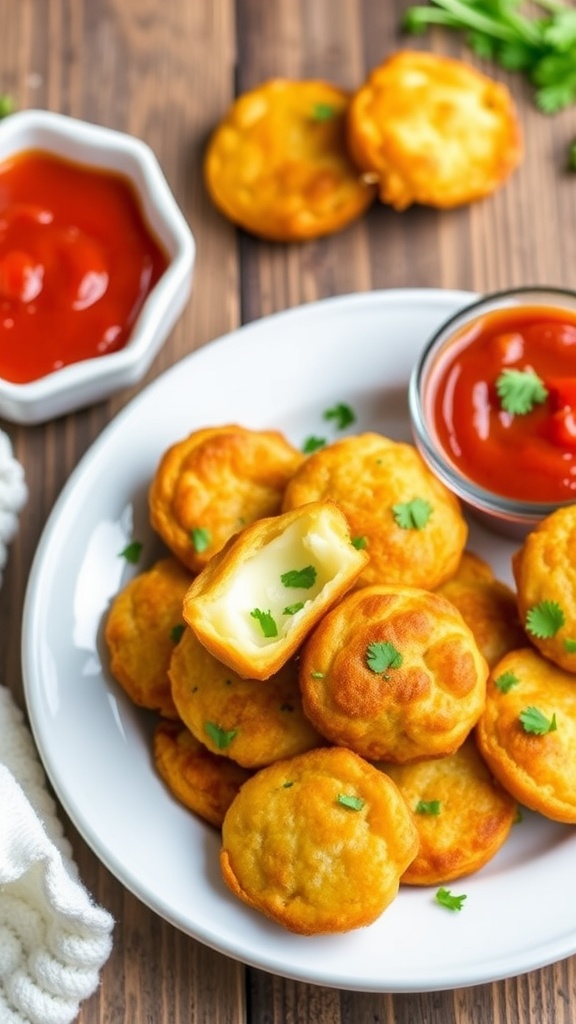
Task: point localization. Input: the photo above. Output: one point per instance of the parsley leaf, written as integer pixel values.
(312, 444)
(382, 656)
(359, 543)
(267, 623)
(200, 538)
(520, 390)
(132, 552)
(412, 515)
(353, 803)
(342, 415)
(445, 898)
(533, 720)
(428, 807)
(506, 681)
(317, 675)
(304, 578)
(222, 738)
(323, 112)
(291, 609)
(544, 620)
(570, 646)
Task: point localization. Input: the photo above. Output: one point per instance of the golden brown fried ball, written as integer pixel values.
(394, 674)
(318, 842)
(462, 814)
(278, 164)
(252, 722)
(261, 595)
(433, 130)
(545, 573)
(527, 733)
(410, 523)
(142, 627)
(211, 484)
(487, 606)
(202, 781)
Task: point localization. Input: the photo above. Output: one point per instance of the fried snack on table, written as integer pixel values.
(462, 814)
(252, 722)
(378, 483)
(278, 165)
(544, 569)
(258, 598)
(394, 674)
(433, 130)
(202, 781)
(538, 767)
(141, 629)
(488, 607)
(318, 842)
(215, 481)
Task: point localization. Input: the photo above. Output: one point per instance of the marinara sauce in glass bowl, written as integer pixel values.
(493, 406)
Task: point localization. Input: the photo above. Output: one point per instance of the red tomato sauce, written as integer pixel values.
(76, 264)
(530, 456)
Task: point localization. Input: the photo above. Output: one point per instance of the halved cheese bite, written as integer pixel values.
(257, 599)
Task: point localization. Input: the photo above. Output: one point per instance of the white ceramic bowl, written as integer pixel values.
(92, 380)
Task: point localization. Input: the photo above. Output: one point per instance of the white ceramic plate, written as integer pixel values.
(283, 371)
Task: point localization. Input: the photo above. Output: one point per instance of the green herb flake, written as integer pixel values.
(323, 112)
(312, 444)
(428, 807)
(520, 390)
(382, 656)
(352, 803)
(304, 578)
(570, 646)
(544, 620)
(266, 621)
(176, 632)
(412, 515)
(317, 675)
(506, 681)
(200, 538)
(132, 552)
(360, 543)
(342, 415)
(445, 898)
(291, 609)
(288, 784)
(534, 721)
(222, 738)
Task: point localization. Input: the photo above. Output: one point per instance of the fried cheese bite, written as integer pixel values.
(393, 673)
(487, 606)
(318, 842)
(278, 164)
(410, 523)
(214, 482)
(527, 733)
(433, 130)
(203, 782)
(252, 722)
(544, 569)
(256, 600)
(462, 814)
(142, 627)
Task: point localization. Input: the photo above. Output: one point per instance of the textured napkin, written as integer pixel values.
(53, 938)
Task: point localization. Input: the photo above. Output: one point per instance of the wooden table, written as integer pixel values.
(166, 71)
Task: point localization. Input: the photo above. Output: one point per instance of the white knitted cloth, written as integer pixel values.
(53, 938)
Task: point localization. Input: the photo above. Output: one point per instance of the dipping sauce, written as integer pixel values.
(77, 261)
(502, 398)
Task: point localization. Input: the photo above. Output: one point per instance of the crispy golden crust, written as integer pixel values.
(203, 782)
(394, 674)
(538, 770)
(433, 130)
(252, 722)
(216, 481)
(462, 814)
(245, 610)
(318, 842)
(369, 476)
(278, 165)
(489, 608)
(141, 630)
(545, 570)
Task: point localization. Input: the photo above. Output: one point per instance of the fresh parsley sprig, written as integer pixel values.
(520, 390)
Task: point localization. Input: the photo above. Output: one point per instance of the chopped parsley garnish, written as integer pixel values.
(353, 803)
(288, 784)
(544, 620)
(317, 675)
(520, 390)
(222, 738)
(291, 609)
(304, 578)
(533, 720)
(342, 415)
(267, 623)
(570, 646)
(176, 632)
(312, 444)
(428, 807)
(132, 552)
(359, 543)
(445, 898)
(200, 539)
(382, 656)
(323, 112)
(506, 681)
(412, 515)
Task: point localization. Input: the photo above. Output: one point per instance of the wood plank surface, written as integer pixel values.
(166, 70)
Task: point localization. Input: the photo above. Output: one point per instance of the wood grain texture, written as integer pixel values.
(166, 70)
